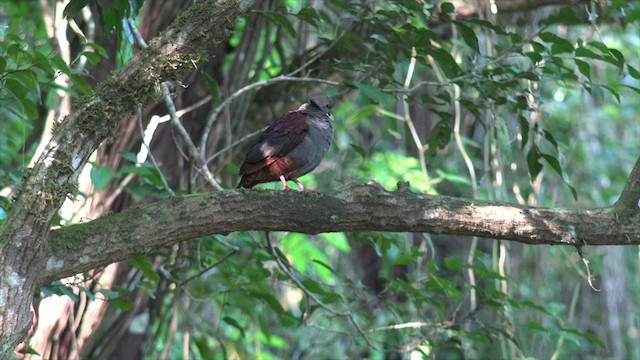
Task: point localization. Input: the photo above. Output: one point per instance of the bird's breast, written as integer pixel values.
(313, 147)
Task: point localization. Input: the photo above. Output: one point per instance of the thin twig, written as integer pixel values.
(136, 34)
(194, 155)
(227, 148)
(412, 128)
(348, 314)
(208, 268)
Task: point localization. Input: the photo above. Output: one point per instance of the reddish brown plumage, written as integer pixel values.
(286, 149)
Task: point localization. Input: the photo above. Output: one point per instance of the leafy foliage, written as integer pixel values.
(484, 109)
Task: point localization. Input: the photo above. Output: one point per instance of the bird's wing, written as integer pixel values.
(277, 141)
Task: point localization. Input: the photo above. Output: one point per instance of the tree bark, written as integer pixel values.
(23, 245)
(143, 229)
(31, 255)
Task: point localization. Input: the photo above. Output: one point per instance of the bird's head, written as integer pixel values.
(322, 103)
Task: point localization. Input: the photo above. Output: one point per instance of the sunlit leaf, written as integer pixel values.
(231, 321)
(100, 176)
(372, 93)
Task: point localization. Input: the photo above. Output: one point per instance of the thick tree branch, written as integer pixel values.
(23, 244)
(146, 228)
(629, 202)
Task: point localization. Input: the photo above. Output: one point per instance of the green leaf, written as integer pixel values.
(633, 72)
(69, 292)
(326, 266)
(28, 80)
(533, 164)
(364, 112)
(593, 338)
(584, 67)
(100, 176)
(453, 178)
(558, 44)
(16, 88)
(619, 57)
(214, 89)
(31, 351)
(30, 108)
(613, 92)
(596, 90)
(529, 75)
(93, 58)
(452, 263)
(534, 56)
(313, 286)
(440, 137)
(372, 93)
(282, 20)
(549, 136)
(469, 36)
(87, 292)
(496, 28)
(144, 264)
(129, 156)
(632, 88)
(360, 150)
(309, 15)
(231, 321)
(584, 52)
(121, 303)
(74, 7)
(565, 16)
(109, 294)
(270, 300)
(447, 63)
(555, 164)
(447, 8)
(404, 259)
(553, 161)
(81, 84)
(98, 48)
(61, 65)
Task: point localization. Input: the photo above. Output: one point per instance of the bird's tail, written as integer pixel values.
(243, 183)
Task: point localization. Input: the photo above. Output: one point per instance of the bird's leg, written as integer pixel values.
(299, 184)
(284, 182)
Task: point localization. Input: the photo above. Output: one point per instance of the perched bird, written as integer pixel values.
(292, 145)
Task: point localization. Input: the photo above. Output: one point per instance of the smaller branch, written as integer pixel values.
(136, 34)
(630, 197)
(207, 269)
(348, 314)
(586, 265)
(198, 161)
(412, 128)
(194, 155)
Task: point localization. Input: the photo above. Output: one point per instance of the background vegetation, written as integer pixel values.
(537, 105)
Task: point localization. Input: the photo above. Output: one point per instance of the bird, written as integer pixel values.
(292, 146)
